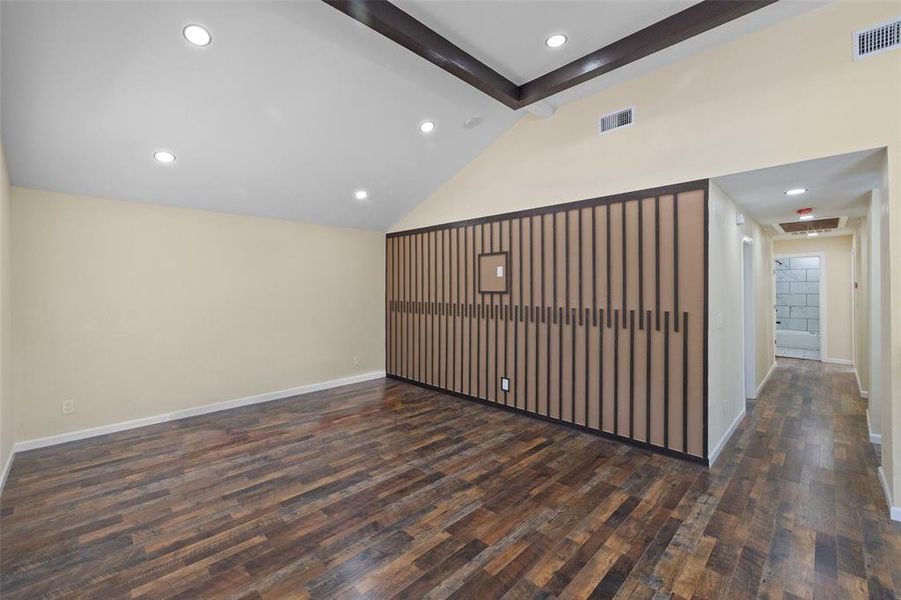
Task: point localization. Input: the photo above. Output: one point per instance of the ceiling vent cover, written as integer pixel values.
(615, 120)
(877, 40)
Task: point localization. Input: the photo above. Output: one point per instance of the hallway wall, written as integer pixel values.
(725, 355)
(7, 415)
(861, 304)
(836, 271)
(888, 254)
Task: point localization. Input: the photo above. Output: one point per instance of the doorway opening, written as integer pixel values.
(800, 314)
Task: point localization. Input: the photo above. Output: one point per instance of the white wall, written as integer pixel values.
(874, 229)
(7, 414)
(884, 297)
(133, 310)
(888, 321)
(726, 394)
(861, 296)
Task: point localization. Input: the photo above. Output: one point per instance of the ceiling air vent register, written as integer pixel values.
(877, 40)
(615, 120)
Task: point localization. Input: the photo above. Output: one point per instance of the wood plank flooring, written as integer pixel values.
(384, 490)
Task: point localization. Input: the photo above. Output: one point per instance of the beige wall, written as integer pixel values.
(860, 288)
(134, 310)
(889, 320)
(765, 319)
(787, 93)
(836, 253)
(726, 396)
(7, 416)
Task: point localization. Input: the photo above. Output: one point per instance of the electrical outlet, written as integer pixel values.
(505, 384)
(68, 407)
(356, 361)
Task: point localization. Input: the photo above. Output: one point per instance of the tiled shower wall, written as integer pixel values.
(798, 294)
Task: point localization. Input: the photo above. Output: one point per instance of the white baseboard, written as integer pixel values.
(875, 438)
(711, 460)
(193, 412)
(837, 361)
(9, 463)
(863, 393)
(765, 379)
(894, 511)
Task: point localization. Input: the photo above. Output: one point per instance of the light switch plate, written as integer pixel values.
(505, 384)
(500, 271)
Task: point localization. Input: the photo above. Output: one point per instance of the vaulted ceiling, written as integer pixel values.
(294, 106)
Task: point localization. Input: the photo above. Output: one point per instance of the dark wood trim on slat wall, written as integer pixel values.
(430, 283)
(400, 27)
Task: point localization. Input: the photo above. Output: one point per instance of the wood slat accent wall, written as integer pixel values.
(604, 326)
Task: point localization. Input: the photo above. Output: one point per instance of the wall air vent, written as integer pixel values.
(811, 226)
(877, 40)
(615, 120)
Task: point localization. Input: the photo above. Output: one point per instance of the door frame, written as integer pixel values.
(749, 317)
(824, 338)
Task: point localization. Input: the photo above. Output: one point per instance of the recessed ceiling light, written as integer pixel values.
(427, 126)
(806, 217)
(361, 194)
(795, 191)
(555, 41)
(197, 35)
(164, 157)
(812, 234)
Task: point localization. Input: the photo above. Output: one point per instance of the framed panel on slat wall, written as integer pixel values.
(602, 326)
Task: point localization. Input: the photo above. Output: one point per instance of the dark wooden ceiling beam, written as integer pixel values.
(395, 24)
(676, 28)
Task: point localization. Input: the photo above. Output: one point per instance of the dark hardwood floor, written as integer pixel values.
(387, 490)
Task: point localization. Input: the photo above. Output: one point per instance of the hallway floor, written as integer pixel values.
(384, 489)
(802, 509)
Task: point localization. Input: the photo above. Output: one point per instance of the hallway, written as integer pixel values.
(802, 510)
(385, 489)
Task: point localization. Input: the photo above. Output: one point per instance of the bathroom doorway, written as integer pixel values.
(799, 306)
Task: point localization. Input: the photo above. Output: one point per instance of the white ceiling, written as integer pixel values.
(509, 35)
(836, 187)
(293, 107)
(290, 109)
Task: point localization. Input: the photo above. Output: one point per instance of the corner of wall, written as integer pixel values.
(7, 412)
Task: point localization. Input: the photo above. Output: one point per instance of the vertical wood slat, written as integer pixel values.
(507, 318)
(441, 331)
